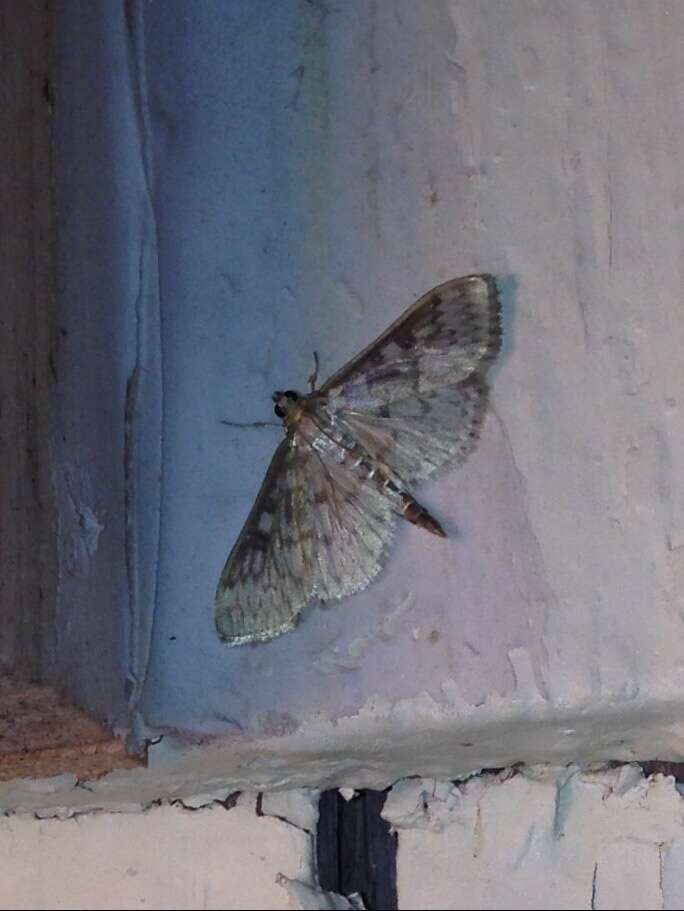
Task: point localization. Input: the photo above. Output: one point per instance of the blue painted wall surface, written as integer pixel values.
(302, 171)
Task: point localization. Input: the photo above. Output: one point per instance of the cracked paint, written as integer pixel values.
(167, 856)
(603, 843)
(309, 898)
(296, 808)
(528, 837)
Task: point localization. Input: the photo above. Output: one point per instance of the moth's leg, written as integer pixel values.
(313, 379)
(252, 423)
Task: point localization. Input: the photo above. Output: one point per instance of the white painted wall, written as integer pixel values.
(531, 838)
(557, 838)
(164, 857)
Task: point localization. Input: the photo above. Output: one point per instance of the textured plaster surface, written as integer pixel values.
(167, 857)
(275, 184)
(540, 838)
(525, 838)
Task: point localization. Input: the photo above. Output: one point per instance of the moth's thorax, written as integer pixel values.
(292, 407)
(320, 429)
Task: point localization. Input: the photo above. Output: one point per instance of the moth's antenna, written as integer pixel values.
(251, 424)
(314, 376)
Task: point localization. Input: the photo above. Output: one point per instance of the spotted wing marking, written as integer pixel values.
(448, 334)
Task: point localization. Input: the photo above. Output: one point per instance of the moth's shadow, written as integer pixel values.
(508, 294)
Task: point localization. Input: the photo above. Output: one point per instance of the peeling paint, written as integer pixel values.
(297, 808)
(91, 528)
(601, 836)
(308, 898)
(569, 837)
(365, 750)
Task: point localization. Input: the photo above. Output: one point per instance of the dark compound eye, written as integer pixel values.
(277, 396)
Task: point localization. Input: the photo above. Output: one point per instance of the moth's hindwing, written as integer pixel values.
(314, 532)
(414, 437)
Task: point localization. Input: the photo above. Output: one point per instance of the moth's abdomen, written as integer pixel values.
(368, 471)
(418, 515)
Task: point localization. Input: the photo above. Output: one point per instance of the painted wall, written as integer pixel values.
(240, 184)
(164, 857)
(540, 837)
(244, 183)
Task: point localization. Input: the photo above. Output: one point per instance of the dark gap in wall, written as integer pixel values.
(27, 520)
(653, 766)
(355, 849)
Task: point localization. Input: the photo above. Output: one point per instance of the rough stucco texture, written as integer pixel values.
(302, 176)
(167, 857)
(534, 838)
(540, 838)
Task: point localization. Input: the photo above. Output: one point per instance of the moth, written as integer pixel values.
(409, 404)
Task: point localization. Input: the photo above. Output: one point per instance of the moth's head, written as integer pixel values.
(284, 402)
